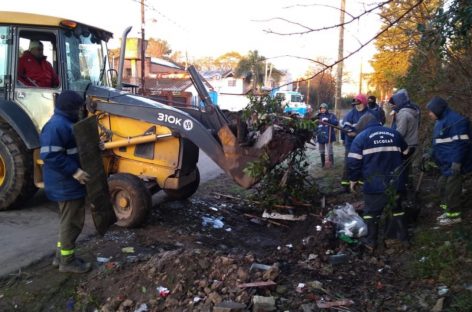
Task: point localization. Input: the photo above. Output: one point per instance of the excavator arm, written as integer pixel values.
(208, 128)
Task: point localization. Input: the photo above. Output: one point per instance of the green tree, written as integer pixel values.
(228, 60)
(252, 67)
(398, 44)
(158, 48)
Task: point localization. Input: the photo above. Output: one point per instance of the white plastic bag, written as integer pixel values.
(348, 221)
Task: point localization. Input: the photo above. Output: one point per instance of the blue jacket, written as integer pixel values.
(350, 122)
(451, 142)
(378, 112)
(61, 159)
(376, 157)
(324, 132)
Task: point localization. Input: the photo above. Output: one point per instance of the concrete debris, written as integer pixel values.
(262, 304)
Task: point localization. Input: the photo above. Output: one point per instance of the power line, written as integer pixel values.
(169, 19)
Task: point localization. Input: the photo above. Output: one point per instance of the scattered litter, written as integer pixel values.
(214, 208)
(111, 265)
(228, 229)
(28, 282)
(338, 258)
(330, 304)
(312, 257)
(467, 287)
(215, 222)
(280, 216)
(143, 290)
(316, 285)
(318, 228)
(347, 221)
(259, 266)
(300, 287)
(423, 259)
(257, 284)
(127, 249)
(261, 303)
(329, 252)
(347, 239)
(163, 291)
(438, 307)
(103, 259)
(1, 296)
(289, 245)
(132, 259)
(442, 290)
(70, 304)
(229, 306)
(197, 299)
(142, 308)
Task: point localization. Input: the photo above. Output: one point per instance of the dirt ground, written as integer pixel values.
(201, 253)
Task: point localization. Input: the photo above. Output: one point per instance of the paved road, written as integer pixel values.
(30, 233)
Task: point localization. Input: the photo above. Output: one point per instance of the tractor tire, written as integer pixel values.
(16, 170)
(130, 198)
(186, 191)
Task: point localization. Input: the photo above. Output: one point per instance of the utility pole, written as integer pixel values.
(339, 72)
(143, 47)
(360, 78)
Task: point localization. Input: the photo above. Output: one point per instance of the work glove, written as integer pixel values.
(351, 134)
(456, 168)
(352, 186)
(324, 119)
(81, 176)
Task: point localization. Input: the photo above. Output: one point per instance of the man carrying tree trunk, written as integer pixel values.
(452, 152)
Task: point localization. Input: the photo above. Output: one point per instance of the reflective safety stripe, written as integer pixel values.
(453, 214)
(344, 182)
(355, 155)
(53, 149)
(367, 217)
(443, 206)
(405, 152)
(360, 182)
(67, 252)
(72, 151)
(453, 138)
(348, 124)
(398, 214)
(48, 149)
(59, 245)
(381, 149)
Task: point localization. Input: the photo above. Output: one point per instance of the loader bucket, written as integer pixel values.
(276, 145)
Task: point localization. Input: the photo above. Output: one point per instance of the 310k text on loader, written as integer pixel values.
(146, 146)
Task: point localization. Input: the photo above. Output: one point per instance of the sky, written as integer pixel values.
(214, 27)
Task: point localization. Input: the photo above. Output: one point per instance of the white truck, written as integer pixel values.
(292, 102)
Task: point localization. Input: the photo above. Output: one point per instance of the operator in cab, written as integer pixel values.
(34, 70)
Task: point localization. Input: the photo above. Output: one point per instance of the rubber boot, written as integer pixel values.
(57, 258)
(71, 264)
(396, 234)
(396, 228)
(331, 159)
(370, 241)
(322, 160)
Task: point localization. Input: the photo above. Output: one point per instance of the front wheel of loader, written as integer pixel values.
(187, 190)
(16, 170)
(130, 198)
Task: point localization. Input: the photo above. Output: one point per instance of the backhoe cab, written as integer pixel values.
(146, 145)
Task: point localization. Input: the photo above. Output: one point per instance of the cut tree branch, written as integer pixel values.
(309, 29)
(388, 26)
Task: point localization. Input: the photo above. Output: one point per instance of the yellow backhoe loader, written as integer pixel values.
(146, 146)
